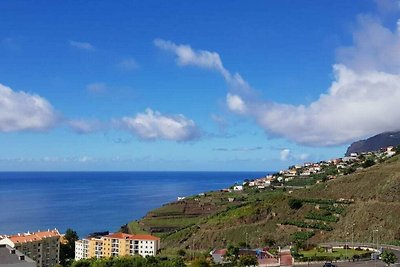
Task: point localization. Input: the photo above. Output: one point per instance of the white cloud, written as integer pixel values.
(20, 111)
(285, 154)
(97, 87)
(85, 159)
(81, 45)
(82, 126)
(235, 103)
(356, 105)
(375, 47)
(128, 64)
(362, 100)
(152, 125)
(186, 56)
(239, 149)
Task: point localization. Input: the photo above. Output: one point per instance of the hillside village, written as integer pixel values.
(311, 173)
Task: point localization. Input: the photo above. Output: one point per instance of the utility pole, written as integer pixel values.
(193, 247)
(377, 240)
(345, 246)
(246, 239)
(352, 235)
(376, 253)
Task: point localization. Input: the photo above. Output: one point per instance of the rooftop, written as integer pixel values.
(9, 255)
(35, 236)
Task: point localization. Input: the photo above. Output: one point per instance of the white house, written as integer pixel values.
(238, 188)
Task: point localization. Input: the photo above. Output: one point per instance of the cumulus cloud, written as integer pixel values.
(21, 111)
(286, 154)
(152, 125)
(81, 45)
(235, 103)
(355, 106)
(361, 101)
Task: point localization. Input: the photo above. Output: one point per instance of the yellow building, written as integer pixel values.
(43, 247)
(117, 244)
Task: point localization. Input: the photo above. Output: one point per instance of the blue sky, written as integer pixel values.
(193, 85)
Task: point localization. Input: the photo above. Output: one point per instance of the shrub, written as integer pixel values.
(295, 203)
(328, 217)
(368, 163)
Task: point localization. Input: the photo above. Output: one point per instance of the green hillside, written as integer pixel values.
(369, 199)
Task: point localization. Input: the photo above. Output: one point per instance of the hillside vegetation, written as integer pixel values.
(351, 205)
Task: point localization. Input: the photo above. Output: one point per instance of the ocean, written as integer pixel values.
(96, 201)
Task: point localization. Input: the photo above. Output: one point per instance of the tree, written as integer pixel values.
(178, 262)
(181, 252)
(295, 203)
(248, 260)
(368, 163)
(388, 257)
(81, 263)
(232, 253)
(67, 248)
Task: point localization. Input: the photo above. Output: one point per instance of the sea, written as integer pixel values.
(90, 202)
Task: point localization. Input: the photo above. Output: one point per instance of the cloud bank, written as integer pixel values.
(362, 100)
(20, 111)
(152, 125)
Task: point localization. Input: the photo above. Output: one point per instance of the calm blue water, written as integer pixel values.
(96, 201)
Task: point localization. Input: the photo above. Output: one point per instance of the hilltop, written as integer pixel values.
(350, 205)
(374, 143)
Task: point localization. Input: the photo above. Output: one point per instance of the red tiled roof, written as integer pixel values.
(119, 236)
(30, 237)
(220, 251)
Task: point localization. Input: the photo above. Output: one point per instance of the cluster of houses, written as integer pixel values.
(337, 167)
(263, 256)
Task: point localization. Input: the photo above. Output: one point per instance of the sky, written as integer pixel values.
(193, 85)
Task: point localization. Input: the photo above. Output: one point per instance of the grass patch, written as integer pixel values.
(336, 253)
(135, 228)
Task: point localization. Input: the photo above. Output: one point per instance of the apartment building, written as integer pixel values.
(117, 244)
(43, 246)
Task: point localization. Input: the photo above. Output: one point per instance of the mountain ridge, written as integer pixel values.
(374, 143)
